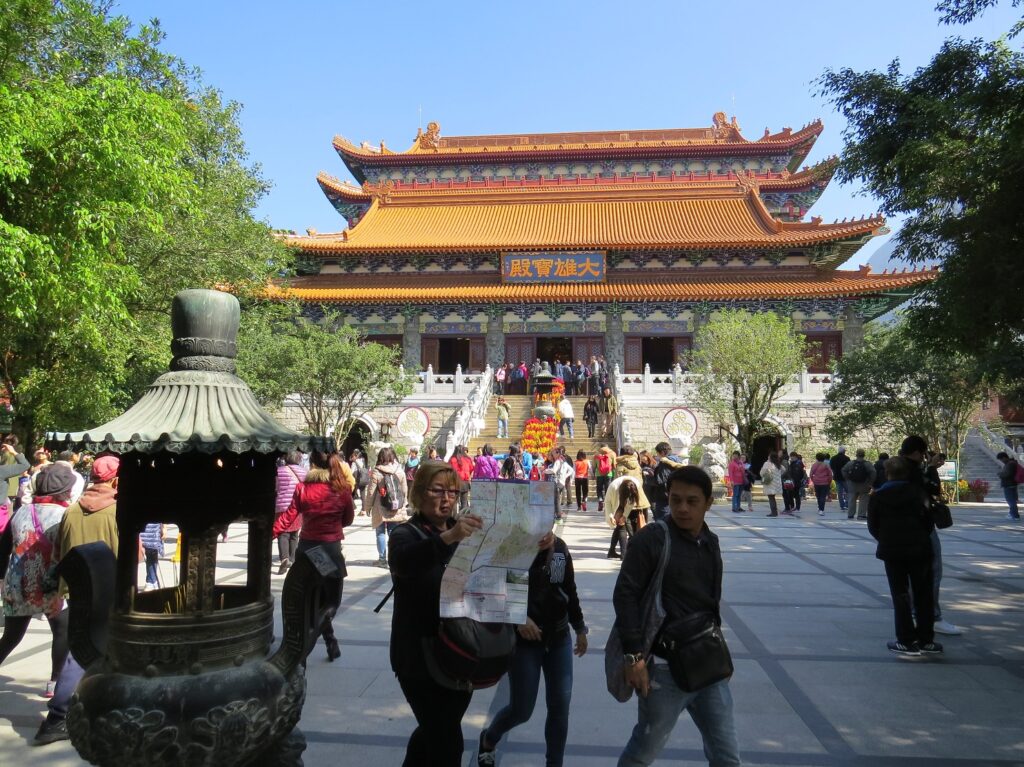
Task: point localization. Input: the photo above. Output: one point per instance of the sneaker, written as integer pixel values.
(821, 513)
(51, 687)
(945, 627)
(902, 649)
(50, 731)
(1012, 518)
(613, 555)
(283, 568)
(382, 562)
(931, 648)
(484, 758)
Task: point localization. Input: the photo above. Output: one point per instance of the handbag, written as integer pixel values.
(653, 615)
(469, 655)
(696, 651)
(941, 515)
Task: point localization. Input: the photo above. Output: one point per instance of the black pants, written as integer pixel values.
(437, 740)
(15, 627)
(582, 489)
(910, 583)
(602, 485)
(334, 590)
(591, 425)
(621, 534)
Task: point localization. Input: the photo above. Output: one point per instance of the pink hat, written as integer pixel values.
(105, 468)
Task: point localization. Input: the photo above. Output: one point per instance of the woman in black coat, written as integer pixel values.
(900, 520)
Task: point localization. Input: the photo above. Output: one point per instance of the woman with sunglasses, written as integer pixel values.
(417, 558)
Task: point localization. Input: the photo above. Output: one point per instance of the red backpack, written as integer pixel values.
(1018, 474)
(604, 464)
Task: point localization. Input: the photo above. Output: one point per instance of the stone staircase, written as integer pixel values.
(977, 462)
(520, 407)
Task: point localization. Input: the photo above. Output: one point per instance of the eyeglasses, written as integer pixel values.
(440, 491)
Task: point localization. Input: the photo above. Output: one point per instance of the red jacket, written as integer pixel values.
(463, 467)
(324, 511)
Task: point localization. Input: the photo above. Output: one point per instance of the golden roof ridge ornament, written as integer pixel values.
(431, 139)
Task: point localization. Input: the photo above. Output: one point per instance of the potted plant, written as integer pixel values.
(978, 488)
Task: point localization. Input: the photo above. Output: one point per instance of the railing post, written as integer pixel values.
(645, 386)
(458, 379)
(677, 378)
(428, 382)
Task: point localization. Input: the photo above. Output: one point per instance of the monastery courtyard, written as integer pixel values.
(807, 615)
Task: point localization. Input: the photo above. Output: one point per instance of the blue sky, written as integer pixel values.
(306, 71)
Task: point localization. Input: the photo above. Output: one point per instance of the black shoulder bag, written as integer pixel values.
(695, 649)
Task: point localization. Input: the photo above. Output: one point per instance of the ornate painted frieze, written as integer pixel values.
(452, 328)
(819, 326)
(380, 329)
(656, 327)
(568, 326)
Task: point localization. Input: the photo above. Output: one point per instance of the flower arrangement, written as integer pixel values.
(539, 435)
(979, 488)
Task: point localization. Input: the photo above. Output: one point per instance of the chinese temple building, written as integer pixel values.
(475, 250)
(469, 251)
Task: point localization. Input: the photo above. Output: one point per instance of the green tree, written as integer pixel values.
(122, 180)
(743, 364)
(944, 146)
(896, 386)
(332, 372)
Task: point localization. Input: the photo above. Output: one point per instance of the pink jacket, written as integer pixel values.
(820, 473)
(288, 478)
(486, 467)
(737, 473)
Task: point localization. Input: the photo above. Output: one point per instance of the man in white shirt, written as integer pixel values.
(567, 415)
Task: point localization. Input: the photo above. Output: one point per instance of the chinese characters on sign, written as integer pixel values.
(553, 267)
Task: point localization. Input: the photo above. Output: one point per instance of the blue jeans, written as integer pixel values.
(502, 429)
(1010, 494)
(152, 565)
(737, 498)
(936, 572)
(841, 491)
(710, 709)
(524, 681)
(384, 529)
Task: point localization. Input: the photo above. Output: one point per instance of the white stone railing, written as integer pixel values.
(469, 421)
(805, 386)
(994, 443)
(429, 382)
(623, 434)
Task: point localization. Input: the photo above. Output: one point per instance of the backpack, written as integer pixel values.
(1018, 474)
(604, 464)
(391, 496)
(362, 477)
(859, 472)
(467, 654)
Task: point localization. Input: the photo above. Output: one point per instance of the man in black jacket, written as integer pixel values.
(667, 464)
(899, 519)
(837, 463)
(692, 584)
(1008, 482)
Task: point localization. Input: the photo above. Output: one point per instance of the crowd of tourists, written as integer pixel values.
(590, 378)
(654, 503)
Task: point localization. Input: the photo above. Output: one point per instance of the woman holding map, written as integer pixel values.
(417, 553)
(543, 644)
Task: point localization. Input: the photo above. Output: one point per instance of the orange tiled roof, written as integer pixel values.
(651, 285)
(677, 141)
(577, 217)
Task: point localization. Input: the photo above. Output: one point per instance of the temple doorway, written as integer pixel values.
(763, 445)
(556, 348)
(358, 437)
(660, 352)
(445, 353)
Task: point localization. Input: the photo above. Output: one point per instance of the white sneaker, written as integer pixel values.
(945, 627)
(821, 513)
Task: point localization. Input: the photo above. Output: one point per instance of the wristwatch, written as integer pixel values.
(632, 658)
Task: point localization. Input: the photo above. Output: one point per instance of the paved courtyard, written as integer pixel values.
(807, 615)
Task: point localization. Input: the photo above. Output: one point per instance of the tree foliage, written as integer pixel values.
(945, 147)
(744, 362)
(123, 179)
(896, 386)
(333, 373)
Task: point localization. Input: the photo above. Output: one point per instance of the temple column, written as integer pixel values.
(495, 340)
(614, 337)
(411, 341)
(853, 331)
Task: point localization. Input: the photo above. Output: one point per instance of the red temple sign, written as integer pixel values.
(553, 267)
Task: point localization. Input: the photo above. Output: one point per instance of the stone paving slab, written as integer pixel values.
(806, 613)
